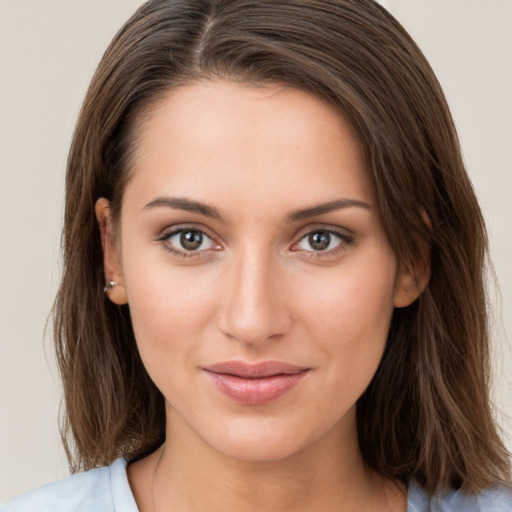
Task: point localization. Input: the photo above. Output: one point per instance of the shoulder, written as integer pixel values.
(98, 490)
(495, 499)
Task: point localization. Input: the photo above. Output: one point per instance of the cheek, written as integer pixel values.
(349, 316)
(169, 307)
(356, 302)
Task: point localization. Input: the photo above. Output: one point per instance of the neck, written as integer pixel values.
(329, 475)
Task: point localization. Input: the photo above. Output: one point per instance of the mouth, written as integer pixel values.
(255, 384)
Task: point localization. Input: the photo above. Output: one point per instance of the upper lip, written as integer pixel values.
(254, 370)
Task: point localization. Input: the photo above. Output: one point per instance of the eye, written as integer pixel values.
(188, 240)
(322, 240)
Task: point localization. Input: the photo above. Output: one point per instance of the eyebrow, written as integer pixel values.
(180, 203)
(321, 209)
(188, 205)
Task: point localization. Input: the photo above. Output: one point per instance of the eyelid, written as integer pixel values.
(330, 228)
(345, 235)
(182, 226)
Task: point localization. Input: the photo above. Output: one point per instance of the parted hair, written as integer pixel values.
(426, 414)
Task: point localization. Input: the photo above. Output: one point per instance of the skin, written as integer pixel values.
(257, 290)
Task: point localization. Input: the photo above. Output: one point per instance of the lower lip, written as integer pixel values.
(255, 391)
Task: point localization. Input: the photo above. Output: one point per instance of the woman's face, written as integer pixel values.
(259, 279)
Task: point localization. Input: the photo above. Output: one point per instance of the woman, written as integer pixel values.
(272, 296)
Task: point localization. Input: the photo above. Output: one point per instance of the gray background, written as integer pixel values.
(48, 52)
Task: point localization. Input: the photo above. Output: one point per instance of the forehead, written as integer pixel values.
(221, 139)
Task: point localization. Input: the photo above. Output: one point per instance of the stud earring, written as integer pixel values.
(110, 286)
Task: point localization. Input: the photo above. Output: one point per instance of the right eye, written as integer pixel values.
(188, 242)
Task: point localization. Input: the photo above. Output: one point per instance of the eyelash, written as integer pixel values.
(344, 241)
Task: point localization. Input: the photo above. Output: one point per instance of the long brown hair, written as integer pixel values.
(426, 414)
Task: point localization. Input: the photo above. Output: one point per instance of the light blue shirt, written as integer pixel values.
(107, 490)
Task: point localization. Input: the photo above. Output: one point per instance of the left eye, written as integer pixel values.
(190, 240)
(320, 241)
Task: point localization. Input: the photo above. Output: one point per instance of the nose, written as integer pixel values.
(254, 308)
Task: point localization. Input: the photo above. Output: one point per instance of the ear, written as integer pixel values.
(413, 279)
(111, 262)
(411, 282)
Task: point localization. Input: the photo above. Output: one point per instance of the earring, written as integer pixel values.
(109, 286)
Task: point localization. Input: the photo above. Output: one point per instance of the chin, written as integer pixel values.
(258, 450)
(259, 441)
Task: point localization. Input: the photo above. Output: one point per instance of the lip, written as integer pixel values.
(255, 384)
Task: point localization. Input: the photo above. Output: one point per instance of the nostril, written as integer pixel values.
(254, 326)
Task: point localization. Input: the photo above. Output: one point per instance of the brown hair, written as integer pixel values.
(426, 414)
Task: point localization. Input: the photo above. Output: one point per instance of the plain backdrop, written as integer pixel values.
(48, 52)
